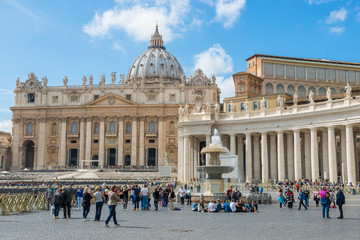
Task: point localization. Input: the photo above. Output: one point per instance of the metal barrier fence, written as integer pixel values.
(16, 203)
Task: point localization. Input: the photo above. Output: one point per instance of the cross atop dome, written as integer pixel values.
(156, 39)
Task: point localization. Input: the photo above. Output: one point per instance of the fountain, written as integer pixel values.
(214, 182)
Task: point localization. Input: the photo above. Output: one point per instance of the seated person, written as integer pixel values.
(233, 205)
(202, 207)
(241, 206)
(219, 205)
(212, 206)
(255, 206)
(195, 206)
(227, 207)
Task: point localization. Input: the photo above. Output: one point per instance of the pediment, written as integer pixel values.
(111, 99)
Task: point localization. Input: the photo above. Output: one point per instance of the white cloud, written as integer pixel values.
(137, 19)
(117, 46)
(337, 30)
(5, 125)
(228, 11)
(337, 16)
(226, 86)
(215, 60)
(319, 1)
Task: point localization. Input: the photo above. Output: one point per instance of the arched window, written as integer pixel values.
(333, 90)
(96, 129)
(313, 89)
(280, 88)
(29, 129)
(269, 89)
(290, 89)
(229, 107)
(74, 128)
(112, 127)
(301, 91)
(152, 126)
(53, 129)
(322, 91)
(255, 105)
(172, 127)
(128, 128)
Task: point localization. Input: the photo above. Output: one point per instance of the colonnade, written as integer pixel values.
(283, 154)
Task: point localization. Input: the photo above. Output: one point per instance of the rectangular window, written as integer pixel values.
(279, 70)
(128, 96)
(310, 73)
(290, 71)
(358, 77)
(321, 74)
(266, 103)
(96, 96)
(172, 98)
(151, 140)
(300, 72)
(151, 97)
(351, 76)
(127, 141)
(74, 98)
(242, 107)
(331, 74)
(73, 141)
(341, 75)
(96, 141)
(268, 69)
(55, 99)
(31, 97)
(255, 105)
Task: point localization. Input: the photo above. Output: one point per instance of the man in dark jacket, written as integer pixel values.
(340, 201)
(67, 196)
(301, 198)
(156, 196)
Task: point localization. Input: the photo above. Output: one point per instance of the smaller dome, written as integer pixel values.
(156, 62)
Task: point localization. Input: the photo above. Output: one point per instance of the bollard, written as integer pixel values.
(178, 197)
(201, 197)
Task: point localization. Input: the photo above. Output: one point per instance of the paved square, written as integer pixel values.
(270, 223)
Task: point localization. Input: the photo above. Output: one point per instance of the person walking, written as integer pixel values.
(316, 197)
(340, 201)
(182, 193)
(79, 196)
(171, 199)
(156, 196)
(67, 202)
(112, 203)
(49, 196)
(58, 202)
(144, 198)
(188, 195)
(86, 203)
(325, 202)
(301, 198)
(99, 203)
(125, 192)
(307, 196)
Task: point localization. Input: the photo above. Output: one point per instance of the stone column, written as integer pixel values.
(249, 165)
(344, 176)
(314, 155)
(142, 142)
(88, 139)
(290, 156)
(325, 153)
(186, 158)
(281, 157)
(191, 162)
(257, 163)
(232, 144)
(208, 141)
(41, 143)
(102, 142)
(350, 154)
(16, 156)
(82, 139)
(181, 158)
(121, 141)
(134, 141)
(297, 155)
(161, 143)
(240, 153)
(273, 167)
(62, 156)
(332, 154)
(264, 158)
(307, 156)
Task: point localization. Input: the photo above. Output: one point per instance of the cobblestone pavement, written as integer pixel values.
(270, 223)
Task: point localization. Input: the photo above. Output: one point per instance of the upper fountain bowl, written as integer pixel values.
(214, 148)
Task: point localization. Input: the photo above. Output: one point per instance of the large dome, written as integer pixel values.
(156, 62)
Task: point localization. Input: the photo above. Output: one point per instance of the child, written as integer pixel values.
(195, 206)
(281, 199)
(219, 206)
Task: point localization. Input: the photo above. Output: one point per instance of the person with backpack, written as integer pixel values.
(171, 199)
(281, 199)
(156, 196)
(307, 196)
(67, 198)
(58, 201)
(340, 201)
(289, 198)
(325, 202)
(86, 203)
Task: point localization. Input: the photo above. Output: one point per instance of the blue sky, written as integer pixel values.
(75, 38)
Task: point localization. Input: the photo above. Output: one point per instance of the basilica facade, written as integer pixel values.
(126, 122)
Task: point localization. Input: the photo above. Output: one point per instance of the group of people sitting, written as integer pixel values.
(225, 206)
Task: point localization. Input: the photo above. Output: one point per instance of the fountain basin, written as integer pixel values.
(215, 172)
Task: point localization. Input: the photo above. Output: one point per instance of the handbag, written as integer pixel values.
(52, 210)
